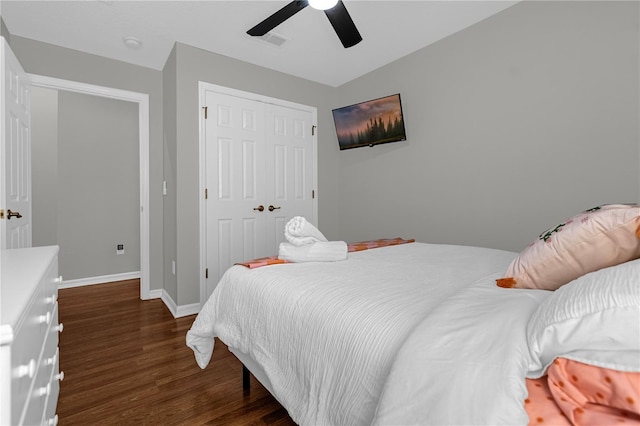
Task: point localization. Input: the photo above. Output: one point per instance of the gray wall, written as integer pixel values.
(49, 60)
(193, 65)
(86, 181)
(98, 186)
(169, 231)
(4, 31)
(513, 125)
(44, 165)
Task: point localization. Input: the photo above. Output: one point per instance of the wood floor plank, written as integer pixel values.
(126, 363)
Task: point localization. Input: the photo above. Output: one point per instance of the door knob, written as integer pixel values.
(11, 214)
(260, 208)
(272, 208)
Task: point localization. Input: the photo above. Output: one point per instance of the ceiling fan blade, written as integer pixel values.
(278, 18)
(343, 25)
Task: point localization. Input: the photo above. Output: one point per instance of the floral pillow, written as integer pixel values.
(594, 239)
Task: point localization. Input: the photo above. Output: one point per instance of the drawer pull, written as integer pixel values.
(44, 391)
(59, 376)
(59, 328)
(52, 299)
(45, 318)
(27, 369)
(52, 360)
(53, 421)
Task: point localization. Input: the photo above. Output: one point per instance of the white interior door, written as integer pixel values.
(235, 182)
(259, 173)
(15, 147)
(289, 170)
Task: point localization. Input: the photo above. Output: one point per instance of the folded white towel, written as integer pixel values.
(298, 231)
(324, 251)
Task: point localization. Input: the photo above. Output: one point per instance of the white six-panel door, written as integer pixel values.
(259, 165)
(289, 171)
(15, 148)
(235, 153)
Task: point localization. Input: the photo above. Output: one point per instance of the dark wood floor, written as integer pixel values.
(126, 363)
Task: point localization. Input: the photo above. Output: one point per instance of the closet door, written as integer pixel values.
(260, 162)
(235, 151)
(289, 170)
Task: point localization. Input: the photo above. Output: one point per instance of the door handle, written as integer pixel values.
(260, 208)
(272, 208)
(11, 214)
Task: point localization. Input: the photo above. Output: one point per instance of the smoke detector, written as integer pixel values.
(132, 42)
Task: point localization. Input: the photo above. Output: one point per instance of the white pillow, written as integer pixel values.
(593, 319)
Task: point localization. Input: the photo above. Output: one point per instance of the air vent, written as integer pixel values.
(273, 38)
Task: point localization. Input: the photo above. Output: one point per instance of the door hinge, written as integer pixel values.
(313, 130)
(313, 194)
(1, 213)
(206, 194)
(206, 273)
(206, 110)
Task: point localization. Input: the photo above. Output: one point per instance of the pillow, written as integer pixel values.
(594, 319)
(597, 238)
(590, 395)
(583, 395)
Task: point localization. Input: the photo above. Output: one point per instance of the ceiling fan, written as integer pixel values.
(335, 10)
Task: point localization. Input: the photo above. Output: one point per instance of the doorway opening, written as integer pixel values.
(142, 102)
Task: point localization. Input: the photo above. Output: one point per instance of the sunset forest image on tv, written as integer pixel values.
(370, 123)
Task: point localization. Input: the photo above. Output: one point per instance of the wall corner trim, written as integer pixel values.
(179, 310)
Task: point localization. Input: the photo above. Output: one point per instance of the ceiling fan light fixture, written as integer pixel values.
(334, 10)
(322, 4)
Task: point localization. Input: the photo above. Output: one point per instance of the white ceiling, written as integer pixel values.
(390, 30)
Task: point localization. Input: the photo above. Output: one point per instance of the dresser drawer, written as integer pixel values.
(49, 287)
(29, 312)
(25, 354)
(45, 384)
(50, 418)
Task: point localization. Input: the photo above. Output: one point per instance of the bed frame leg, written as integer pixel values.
(246, 382)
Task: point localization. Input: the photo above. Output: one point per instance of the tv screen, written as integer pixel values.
(370, 123)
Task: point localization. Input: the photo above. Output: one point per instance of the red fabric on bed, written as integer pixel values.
(540, 405)
(263, 261)
(574, 393)
(351, 247)
(383, 242)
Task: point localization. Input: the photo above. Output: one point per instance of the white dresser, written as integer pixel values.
(29, 373)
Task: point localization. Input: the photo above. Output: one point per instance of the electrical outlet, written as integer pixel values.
(119, 248)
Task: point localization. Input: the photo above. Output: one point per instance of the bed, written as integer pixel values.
(417, 333)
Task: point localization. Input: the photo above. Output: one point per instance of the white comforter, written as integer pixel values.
(465, 363)
(327, 335)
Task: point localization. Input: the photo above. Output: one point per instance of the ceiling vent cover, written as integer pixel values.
(275, 39)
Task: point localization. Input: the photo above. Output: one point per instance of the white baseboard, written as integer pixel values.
(99, 280)
(186, 310)
(179, 310)
(176, 311)
(156, 294)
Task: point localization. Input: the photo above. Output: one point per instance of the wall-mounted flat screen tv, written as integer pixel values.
(370, 123)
